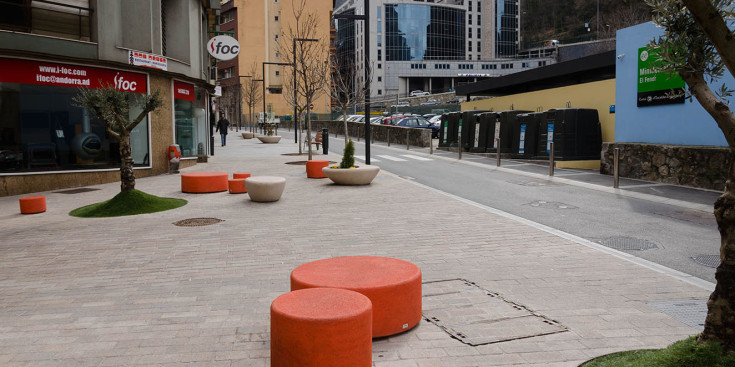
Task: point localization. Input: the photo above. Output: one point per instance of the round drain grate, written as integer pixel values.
(197, 222)
(628, 243)
(712, 261)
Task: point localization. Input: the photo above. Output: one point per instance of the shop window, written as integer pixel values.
(190, 119)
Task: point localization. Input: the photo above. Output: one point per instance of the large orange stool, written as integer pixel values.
(199, 182)
(32, 204)
(237, 186)
(393, 286)
(314, 169)
(321, 327)
(240, 175)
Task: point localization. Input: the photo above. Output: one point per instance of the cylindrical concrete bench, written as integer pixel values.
(314, 169)
(393, 286)
(236, 186)
(321, 327)
(265, 188)
(199, 182)
(32, 204)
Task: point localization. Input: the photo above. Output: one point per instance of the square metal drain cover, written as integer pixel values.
(692, 312)
(476, 316)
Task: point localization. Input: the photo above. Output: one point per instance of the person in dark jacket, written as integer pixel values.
(222, 126)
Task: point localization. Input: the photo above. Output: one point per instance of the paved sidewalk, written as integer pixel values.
(139, 291)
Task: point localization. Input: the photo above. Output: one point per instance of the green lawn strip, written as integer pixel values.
(682, 353)
(128, 203)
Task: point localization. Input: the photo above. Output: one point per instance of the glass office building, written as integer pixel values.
(415, 32)
(506, 28)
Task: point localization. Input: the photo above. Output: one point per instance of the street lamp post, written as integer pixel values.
(366, 18)
(264, 64)
(295, 76)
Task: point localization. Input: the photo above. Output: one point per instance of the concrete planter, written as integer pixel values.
(362, 175)
(248, 135)
(269, 139)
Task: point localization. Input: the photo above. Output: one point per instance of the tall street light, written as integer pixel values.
(295, 76)
(239, 100)
(366, 18)
(265, 115)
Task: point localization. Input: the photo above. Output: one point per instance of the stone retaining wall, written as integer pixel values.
(417, 137)
(695, 166)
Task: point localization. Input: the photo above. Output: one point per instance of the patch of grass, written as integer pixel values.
(682, 353)
(128, 203)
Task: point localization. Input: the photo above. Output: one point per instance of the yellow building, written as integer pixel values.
(263, 29)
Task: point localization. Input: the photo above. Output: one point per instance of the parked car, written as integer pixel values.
(436, 120)
(457, 99)
(419, 93)
(431, 102)
(418, 122)
(402, 104)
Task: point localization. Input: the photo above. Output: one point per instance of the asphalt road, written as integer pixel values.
(672, 235)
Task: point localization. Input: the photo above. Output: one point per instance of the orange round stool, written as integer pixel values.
(237, 186)
(240, 175)
(32, 204)
(199, 182)
(321, 327)
(393, 286)
(314, 169)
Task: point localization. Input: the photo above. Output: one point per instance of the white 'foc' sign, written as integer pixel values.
(223, 47)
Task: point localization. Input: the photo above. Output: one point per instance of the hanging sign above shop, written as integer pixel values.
(223, 47)
(657, 88)
(64, 75)
(139, 58)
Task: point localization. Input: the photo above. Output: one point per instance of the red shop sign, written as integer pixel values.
(63, 75)
(183, 91)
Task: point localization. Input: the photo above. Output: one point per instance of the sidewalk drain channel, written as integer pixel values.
(531, 183)
(627, 243)
(76, 191)
(691, 312)
(197, 222)
(476, 316)
(550, 205)
(712, 261)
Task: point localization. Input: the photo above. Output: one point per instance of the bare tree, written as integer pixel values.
(699, 46)
(112, 107)
(228, 101)
(252, 92)
(310, 61)
(344, 88)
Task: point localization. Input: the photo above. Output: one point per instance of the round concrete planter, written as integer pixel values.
(362, 175)
(269, 139)
(248, 135)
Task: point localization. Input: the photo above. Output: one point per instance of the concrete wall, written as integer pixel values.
(397, 135)
(597, 95)
(679, 124)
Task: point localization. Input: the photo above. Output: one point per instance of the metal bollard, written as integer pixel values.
(407, 131)
(616, 176)
(497, 153)
(325, 141)
(551, 158)
(431, 146)
(388, 137)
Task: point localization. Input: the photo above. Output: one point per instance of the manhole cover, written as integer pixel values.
(476, 316)
(550, 205)
(692, 312)
(76, 191)
(712, 261)
(627, 243)
(197, 222)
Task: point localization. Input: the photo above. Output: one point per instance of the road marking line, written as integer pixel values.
(362, 158)
(391, 158)
(416, 157)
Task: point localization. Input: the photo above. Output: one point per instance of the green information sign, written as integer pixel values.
(656, 88)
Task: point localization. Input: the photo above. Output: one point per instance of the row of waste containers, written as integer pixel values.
(576, 133)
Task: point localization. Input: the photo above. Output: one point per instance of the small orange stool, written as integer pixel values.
(32, 204)
(314, 169)
(199, 182)
(237, 186)
(393, 286)
(240, 175)
(321, 327)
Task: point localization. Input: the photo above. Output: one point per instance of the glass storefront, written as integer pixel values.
(190, 119)
(40, 128)
(415, 32)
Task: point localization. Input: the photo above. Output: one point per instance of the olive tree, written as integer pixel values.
(698, 45)
(112, 107)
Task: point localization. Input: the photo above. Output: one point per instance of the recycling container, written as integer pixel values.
(525, 134)
(481, 131)
(576, 134)
(448, 129)
(467, 124)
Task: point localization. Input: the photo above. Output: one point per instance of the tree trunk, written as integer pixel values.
(308, 125)
(344, 119)
(720, 323)
(127, 175)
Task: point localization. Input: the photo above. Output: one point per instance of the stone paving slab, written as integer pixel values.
(139, 291)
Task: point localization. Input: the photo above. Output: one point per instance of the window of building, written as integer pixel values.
(276, 37)
(379, 14)
(469, 57)
(479, 6)
(469, 46)
(278, 73)
(380, 78)
(380, 40)
(380, 27)
(479, 49)
(275, 90)
(469, 5)
(416, 32)
(277, 54)
(469, 32)
(380, 66)
(191, 128)
(479, 19)
(228, 72)
(276, 17)
(227, 17)
(469, 18)
(542, 63)
(380, 91)
(479, 33)
(380, 55)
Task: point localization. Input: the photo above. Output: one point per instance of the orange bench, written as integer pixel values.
(314, 169)
(321, 327)
(240, 175)
(237, 186)
(393, 286)
(32, 204)
(200, 182)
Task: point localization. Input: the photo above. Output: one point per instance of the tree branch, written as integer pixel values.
(719, 111)
(714, 26)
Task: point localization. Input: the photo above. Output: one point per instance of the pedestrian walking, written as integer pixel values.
(222, 126)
